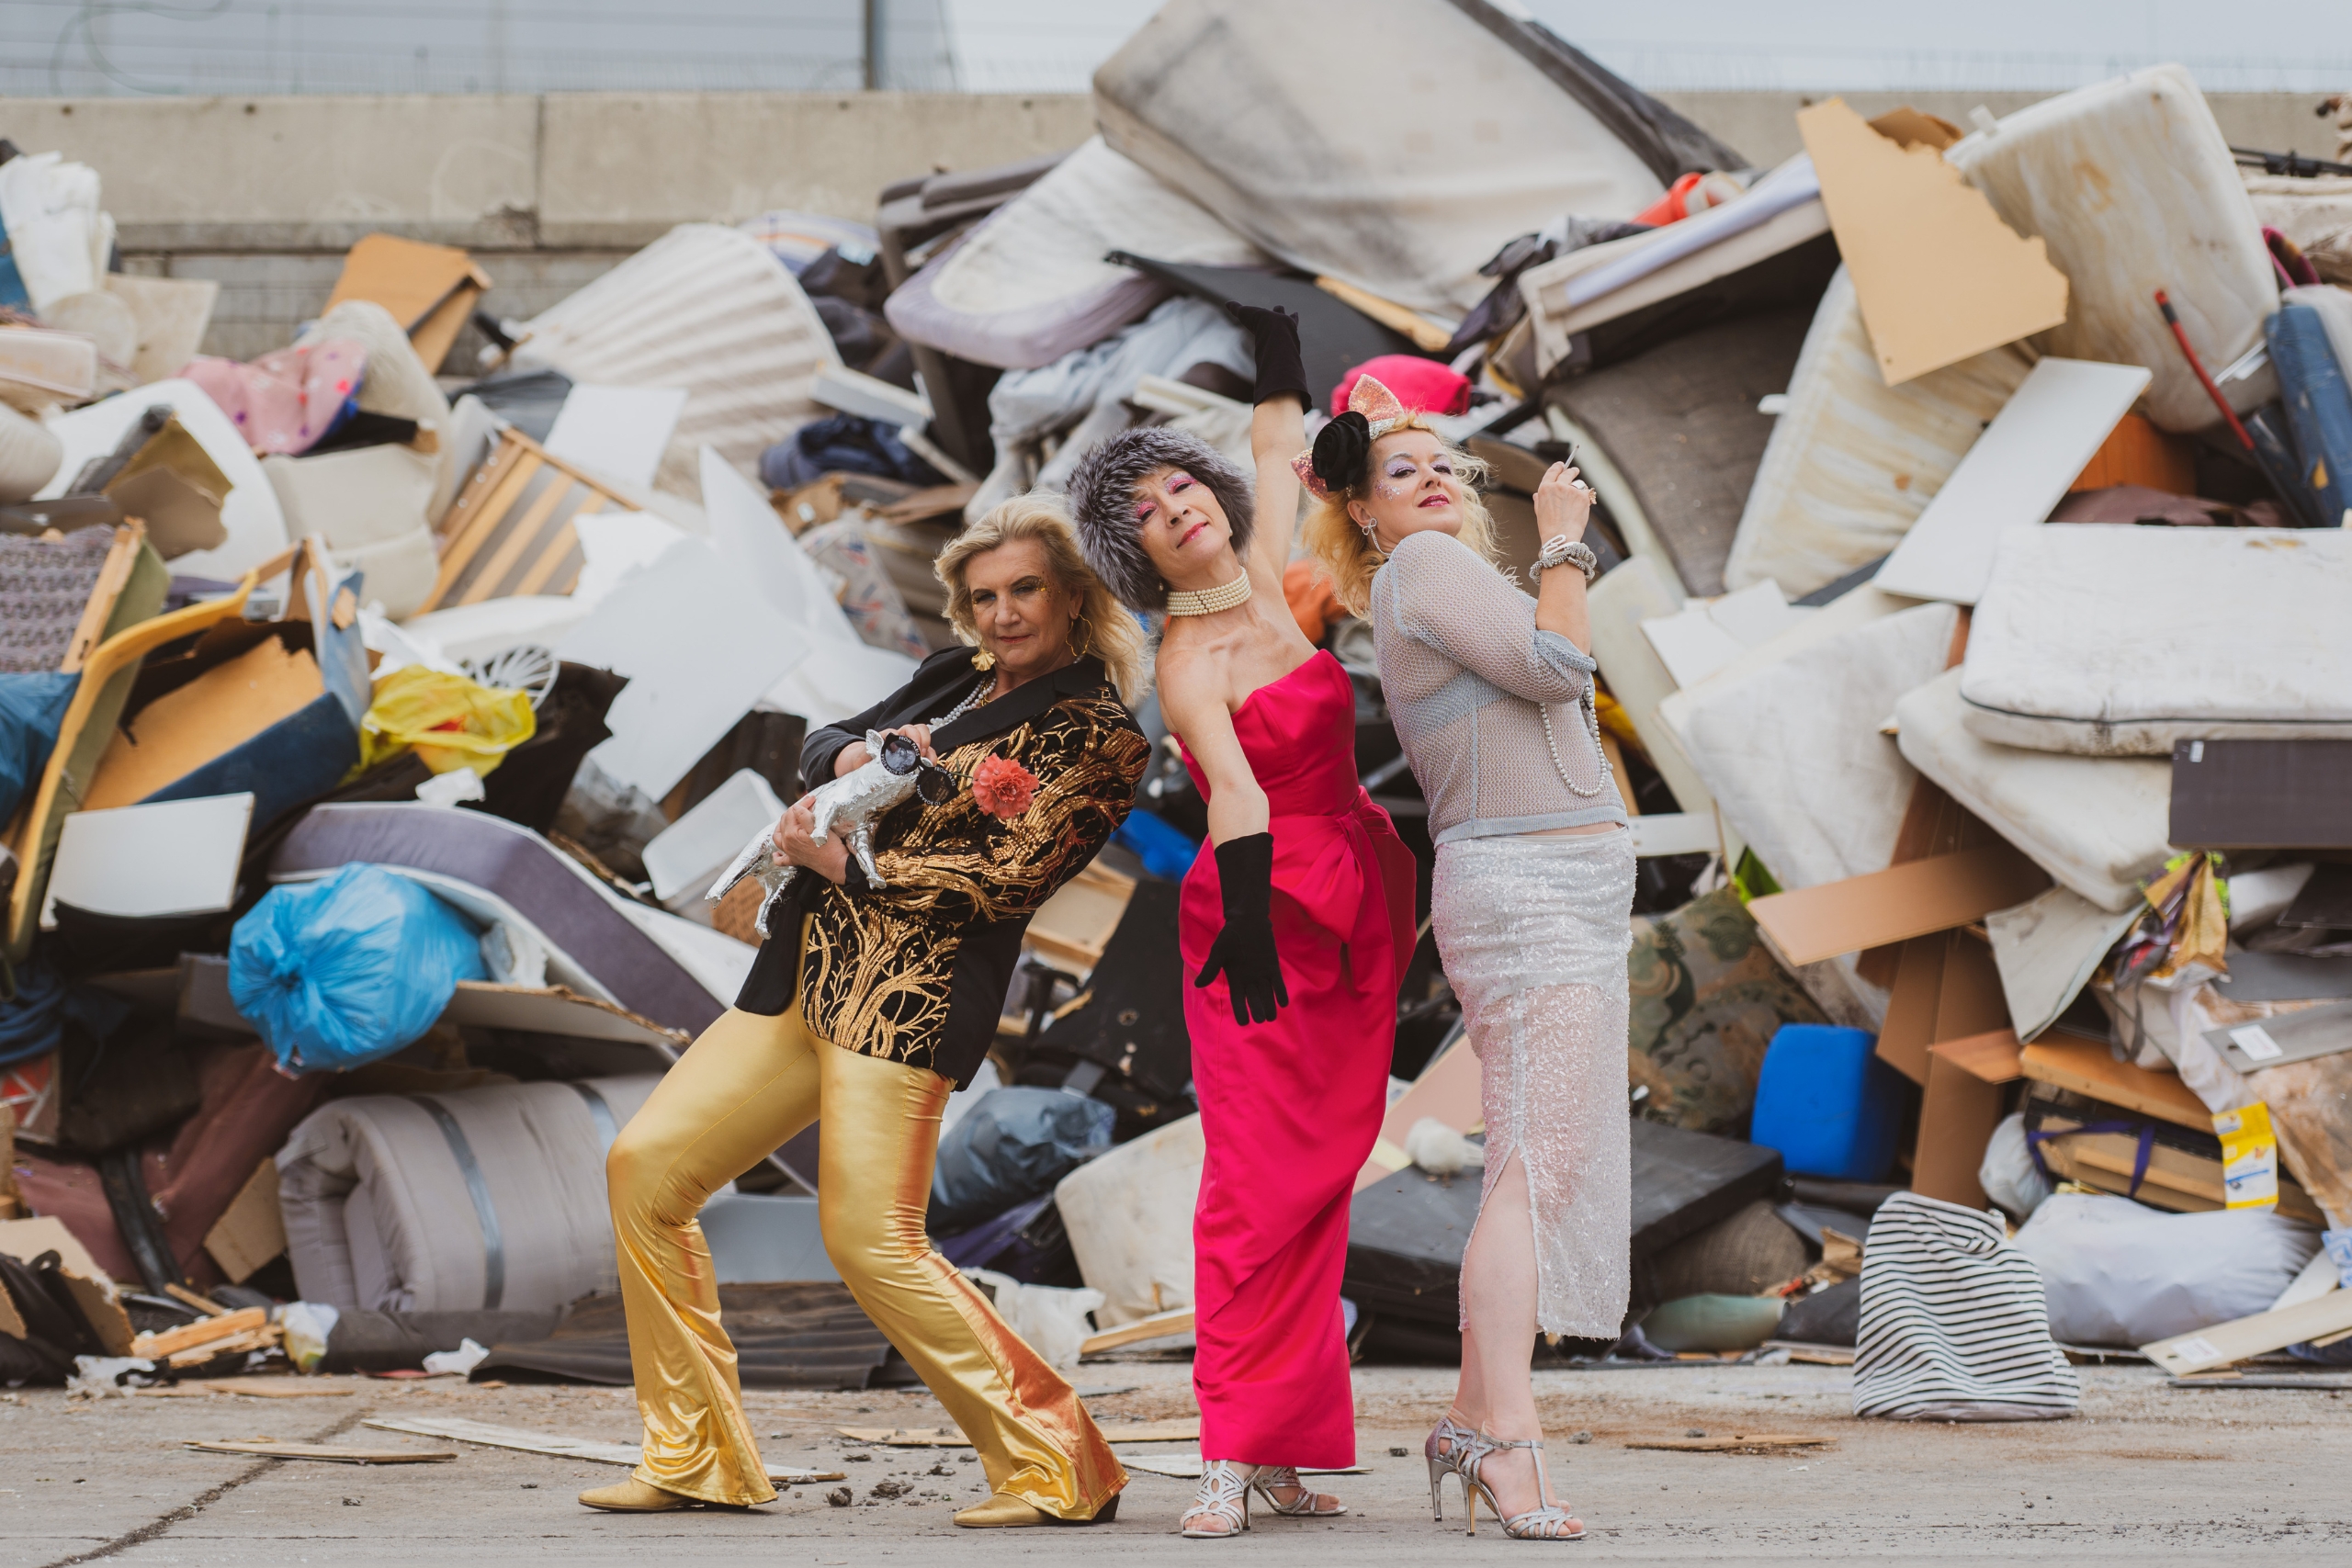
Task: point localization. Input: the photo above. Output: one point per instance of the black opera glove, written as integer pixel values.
(1274, 335)
(1244, 949)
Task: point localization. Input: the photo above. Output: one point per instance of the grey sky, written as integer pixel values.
(77, 47)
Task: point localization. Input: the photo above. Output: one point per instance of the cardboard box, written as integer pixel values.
(431, 290)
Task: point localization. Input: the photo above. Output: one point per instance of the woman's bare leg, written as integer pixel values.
(1496, 1393)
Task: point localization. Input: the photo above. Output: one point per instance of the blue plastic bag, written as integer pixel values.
(32, 710)
(343, 970)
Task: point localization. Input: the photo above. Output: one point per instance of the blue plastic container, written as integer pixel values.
(1827, 1103)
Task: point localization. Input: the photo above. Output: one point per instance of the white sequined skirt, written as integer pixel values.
(1535, 933)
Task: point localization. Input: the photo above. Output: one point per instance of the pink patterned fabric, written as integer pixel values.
(289, 398)
(1289, 1110)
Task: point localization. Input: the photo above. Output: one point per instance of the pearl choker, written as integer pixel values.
(1209, 601)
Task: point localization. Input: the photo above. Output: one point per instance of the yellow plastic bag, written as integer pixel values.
(452, 722)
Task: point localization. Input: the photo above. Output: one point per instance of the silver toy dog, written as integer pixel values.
(851, 802)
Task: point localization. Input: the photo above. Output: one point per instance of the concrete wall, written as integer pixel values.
(264, 193)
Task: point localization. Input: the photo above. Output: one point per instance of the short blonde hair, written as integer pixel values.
(1352, 560)
(1111, 634)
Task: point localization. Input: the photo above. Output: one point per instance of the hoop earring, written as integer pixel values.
(1080, 647)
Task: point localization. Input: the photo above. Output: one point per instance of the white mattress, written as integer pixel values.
(1852, 461)
(379, 1212)
(2134, 188)
(1791, 750)
(2096, 824)
(1261, 114)
(709, 308)
(1030, 284)
(2111, 640)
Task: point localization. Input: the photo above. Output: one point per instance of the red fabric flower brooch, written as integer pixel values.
(1002, 787)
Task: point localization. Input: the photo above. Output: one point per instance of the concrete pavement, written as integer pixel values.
(2145, 1471)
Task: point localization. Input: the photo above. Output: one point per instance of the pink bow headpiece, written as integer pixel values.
(1381, 411)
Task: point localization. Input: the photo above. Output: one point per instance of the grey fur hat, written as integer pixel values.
(1101, 493)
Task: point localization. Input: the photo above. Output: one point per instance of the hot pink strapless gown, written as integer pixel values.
(1289, 1110)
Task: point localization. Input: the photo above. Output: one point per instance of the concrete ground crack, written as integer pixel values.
(203, 1500)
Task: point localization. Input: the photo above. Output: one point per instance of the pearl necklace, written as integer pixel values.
(1209, 601)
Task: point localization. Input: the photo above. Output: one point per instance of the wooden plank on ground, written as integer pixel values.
(332, 1455)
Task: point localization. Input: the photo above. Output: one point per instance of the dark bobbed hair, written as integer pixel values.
(1102, 501)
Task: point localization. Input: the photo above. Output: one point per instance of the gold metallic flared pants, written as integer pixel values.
(750, 1083)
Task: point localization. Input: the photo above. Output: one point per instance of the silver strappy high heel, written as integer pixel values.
(1444, 1447)
(1542, 1522)
(1270, 1477)
(1224, 1496)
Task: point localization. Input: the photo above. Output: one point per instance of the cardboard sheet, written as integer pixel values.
(1903, 901)
(1940, 276)
(619, 431)
(2046, 949)
(176, 857)
(2012, 476)
(220, 709)
(429, 289)
(250, 1232)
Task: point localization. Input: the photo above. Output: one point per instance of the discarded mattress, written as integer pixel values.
(2134, 188)
(1256, 113)
(2316, 214)
(2117, 1272)
(709, 308)
(1129, 1215)
(799, 1336)
(1852, 461)
(1953, 1324)
(2119, 640)
(1671, 439)
(586, 937)
(1790, 750)
(1572, 294)
(1030, 284)
(2096, 824)
(490, 1198)
(256, 527)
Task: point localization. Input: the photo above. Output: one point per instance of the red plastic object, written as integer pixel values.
(2180, 335)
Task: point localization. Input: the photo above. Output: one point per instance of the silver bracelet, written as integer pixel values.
(1561, 550)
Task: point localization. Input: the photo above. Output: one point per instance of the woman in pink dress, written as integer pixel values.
(1296, 923)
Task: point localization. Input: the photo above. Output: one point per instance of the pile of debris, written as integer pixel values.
(1972, 509)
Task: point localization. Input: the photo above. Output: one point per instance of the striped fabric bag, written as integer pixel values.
(1953, 1324)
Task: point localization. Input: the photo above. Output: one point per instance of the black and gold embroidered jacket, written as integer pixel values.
(916, 971)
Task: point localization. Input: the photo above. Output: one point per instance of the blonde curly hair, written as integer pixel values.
(1109, 633)
(1352, 560)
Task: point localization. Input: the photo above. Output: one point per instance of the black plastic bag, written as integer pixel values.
(1012, 1145)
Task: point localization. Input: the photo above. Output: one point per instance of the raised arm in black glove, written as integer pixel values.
(1244, 949)
(1280, 372)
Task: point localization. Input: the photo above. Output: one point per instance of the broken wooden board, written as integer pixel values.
(948, 1437)
(2321, 1383)
(319, 1451)
(2087, 1066)
(1938, 276)
(1812, 1355)
(1738, 1442)
(259, 1388)
(1159, 1326)
(203, 1332)
(2240, 1338)
(491, 1435)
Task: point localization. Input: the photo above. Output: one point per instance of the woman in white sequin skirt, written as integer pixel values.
(1491, 691)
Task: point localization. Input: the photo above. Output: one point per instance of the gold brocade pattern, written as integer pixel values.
(748, 1084)
(875, 975)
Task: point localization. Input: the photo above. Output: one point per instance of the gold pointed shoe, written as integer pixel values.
(633, 1496)
(1005, 1511)
(1002, 1511)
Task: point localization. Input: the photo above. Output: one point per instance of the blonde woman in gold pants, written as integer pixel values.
(868, 1004)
